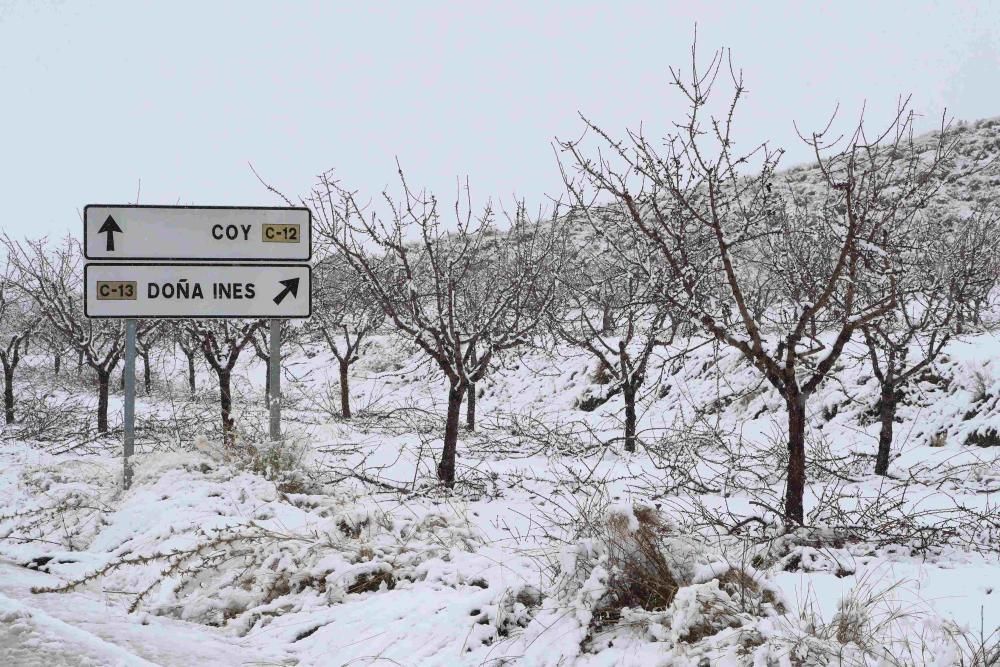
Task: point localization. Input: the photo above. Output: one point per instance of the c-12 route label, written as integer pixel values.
(197, 290)
(203, 233)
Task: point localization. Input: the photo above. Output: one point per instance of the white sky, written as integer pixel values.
(95, 96)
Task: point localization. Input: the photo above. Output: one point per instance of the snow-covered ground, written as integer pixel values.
(338, 548)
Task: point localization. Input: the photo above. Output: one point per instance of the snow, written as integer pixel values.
(332, 569)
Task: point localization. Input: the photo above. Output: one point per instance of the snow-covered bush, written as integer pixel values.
(199, 539)
(872, 625)
(636, 569)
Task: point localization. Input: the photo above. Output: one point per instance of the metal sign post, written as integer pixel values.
(129, 399)
(274, 368)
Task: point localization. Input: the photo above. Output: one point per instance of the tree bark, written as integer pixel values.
(103, 386)
(345, 394)
(470, 409)
(147, 380)
(8, 393)
(191, 382)
(796, 483)
(226, 403)
(446, 468)
(267, 383)
(606, 324)
(887, 414)
(629, 395)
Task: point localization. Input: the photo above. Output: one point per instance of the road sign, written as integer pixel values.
(204, 291)
(205, 233)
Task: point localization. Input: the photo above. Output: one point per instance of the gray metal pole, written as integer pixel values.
(275, 371)
(129, 398)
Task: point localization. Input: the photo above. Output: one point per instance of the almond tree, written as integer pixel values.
(462, 296)
(53, 342)
(148, 335)
(786, 282)
(222, 341)
(52, 279)
(608, 305)
(180, 334)
(261, 341)
(943, 281)
(344, 315)
(17, 321)
(152, 335)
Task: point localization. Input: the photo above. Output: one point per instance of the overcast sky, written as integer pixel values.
(182, 95)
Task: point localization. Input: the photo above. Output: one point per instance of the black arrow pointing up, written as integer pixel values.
(110, 227)
(291, 285)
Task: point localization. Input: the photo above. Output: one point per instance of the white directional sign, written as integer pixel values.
(179, 290)
(202, 233)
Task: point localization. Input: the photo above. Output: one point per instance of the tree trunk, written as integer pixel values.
(103, 385)
(345, 394)
(629, 395)
(470, 408)
(226, 403)
(887, 413)
(267, 383)
(191, 383)
(796, 484)
(79, 362)
(57, 364)
(446, 468)
(147, 380)
(8, 393)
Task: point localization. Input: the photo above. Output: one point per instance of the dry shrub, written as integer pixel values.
(872, 625)
(647, 562)
(702, 610)
(633, 568)
(372, 582)
(602, 375)
(749, 593)
(640, 576)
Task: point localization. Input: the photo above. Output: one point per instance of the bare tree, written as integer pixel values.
(181, 335)
(17, 321)
(450, 292)
(947, 269)
(152, 333)
(222, 342)
(54, 343)
(51, 277)
(261, 341)
(148, 335)
(609, 305)
(344, 316)
(785, 285)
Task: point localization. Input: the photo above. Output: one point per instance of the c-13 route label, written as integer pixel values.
(200, 233)
(178, 290)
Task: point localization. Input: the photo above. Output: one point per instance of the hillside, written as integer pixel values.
(557, 547)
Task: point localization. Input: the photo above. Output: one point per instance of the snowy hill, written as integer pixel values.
(556, 547)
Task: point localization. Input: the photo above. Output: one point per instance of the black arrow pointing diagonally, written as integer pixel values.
(110, 227)
(291, 285)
